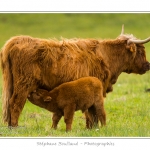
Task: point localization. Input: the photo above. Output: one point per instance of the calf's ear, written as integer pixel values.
(48, 99)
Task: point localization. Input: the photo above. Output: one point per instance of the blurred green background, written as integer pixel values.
(70, 25)
(73, 25)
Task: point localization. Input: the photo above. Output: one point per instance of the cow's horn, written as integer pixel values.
(139, 41)
(122, 31)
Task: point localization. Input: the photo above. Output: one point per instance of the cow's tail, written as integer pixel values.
(7, 88)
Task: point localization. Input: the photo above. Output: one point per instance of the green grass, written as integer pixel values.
(127, 106)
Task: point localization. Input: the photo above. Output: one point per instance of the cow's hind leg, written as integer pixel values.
(15, 107)
(18, 99)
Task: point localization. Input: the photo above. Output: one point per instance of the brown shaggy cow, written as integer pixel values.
(82, 94)
(29, 63)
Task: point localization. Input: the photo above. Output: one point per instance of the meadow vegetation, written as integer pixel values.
(127, 107)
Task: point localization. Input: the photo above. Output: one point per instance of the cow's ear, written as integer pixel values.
(131, 47)
(48, 99)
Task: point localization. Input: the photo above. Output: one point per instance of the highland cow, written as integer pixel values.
(82, 94)
(29, 63)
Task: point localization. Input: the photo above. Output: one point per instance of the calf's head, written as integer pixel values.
(40, 95)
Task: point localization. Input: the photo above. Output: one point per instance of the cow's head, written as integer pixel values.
(139, 64)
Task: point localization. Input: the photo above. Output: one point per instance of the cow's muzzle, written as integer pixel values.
(146, 67)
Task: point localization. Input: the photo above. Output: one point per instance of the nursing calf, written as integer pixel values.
(82, 94)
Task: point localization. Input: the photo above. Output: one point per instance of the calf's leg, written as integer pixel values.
(68, 115)
(100, 112)
(56, 117)
(91, 118)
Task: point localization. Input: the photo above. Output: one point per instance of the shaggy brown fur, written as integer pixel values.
(30, 63)
(82, 94)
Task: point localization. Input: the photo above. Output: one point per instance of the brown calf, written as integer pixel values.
(82, 94)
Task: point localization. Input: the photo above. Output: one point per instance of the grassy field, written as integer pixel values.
(127, 107)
